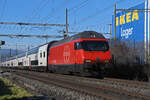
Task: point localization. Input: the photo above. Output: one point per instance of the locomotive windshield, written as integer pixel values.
(92, 45)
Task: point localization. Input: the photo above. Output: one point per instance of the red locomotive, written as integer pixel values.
(85, 54)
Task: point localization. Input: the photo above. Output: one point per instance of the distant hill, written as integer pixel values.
(8, 52)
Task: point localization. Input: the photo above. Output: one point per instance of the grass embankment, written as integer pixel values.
(11, 91)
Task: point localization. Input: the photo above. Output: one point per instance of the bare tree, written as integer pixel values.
(128, 60)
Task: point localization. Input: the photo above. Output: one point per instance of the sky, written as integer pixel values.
(82, 15)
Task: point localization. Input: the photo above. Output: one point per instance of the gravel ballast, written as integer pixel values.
(57, 93)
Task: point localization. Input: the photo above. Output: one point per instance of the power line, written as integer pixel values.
(42, 4)
(95, 14)
(34, 12)
(29, 36)
(82, 4)
(51, 15)
(76, 7)
(139, 10)
(3, 8)
(41, 7)
(79, 5)
(34, 24)
(98, 12)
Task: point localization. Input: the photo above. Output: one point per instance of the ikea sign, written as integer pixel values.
(130, 25)
(127, 18)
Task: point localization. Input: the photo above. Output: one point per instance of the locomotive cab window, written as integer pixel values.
(78, 45)
(95, 46)
(92, 45)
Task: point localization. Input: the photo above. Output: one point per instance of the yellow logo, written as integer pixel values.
(127, 18)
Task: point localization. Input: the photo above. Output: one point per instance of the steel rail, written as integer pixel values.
(108, 89)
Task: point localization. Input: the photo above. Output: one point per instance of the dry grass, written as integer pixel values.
(11, 91)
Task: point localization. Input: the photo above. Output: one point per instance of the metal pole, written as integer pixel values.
(115, 21)
(0, 55)
(148, 34)
(28, 47)
(46, 39)
(66, 33)
(134, 47)
(34, 24)
(16, 49)
(110, 26)
(10, 52)
(145, 40)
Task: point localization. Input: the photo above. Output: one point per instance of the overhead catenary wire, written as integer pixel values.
(61, 4)
(53, 12)
(75, 8)
(99, 12)
(78, 6)
(139, 10)
(3, 8)
(25, 35)
(42, 4)
(33, 13)
(34, 24)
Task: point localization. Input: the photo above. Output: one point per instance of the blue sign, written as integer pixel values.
(130, 24)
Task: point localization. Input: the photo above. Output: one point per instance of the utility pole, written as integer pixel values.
(0, 54)
(66, 33)
(28, 47)
(115, 21)
(10, 52)
(16, 49)
(110, 28)
(1, 43)
(28, 36)
(32, 24)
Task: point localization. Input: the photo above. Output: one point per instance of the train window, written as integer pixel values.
(44, 54)
(20, 63)
(34, 62)
(78, 46)
(92, 45)
(40, 55)
(95, 46)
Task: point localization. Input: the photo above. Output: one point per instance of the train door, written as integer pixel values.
(29, 63)
(42, 55)
(78, 53)
(75, 57)
(22, 62)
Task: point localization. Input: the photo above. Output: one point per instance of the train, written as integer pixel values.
(86, 53)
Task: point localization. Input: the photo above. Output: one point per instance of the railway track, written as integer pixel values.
(121, 82)
(112, 81)
(73, 83)
(129, 83)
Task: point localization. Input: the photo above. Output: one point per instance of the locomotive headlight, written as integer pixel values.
(87, 61)
(106, 61)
